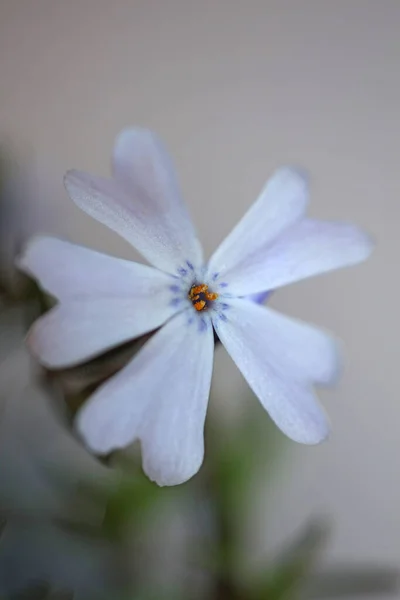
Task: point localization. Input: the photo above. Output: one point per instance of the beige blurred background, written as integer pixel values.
(236, 88)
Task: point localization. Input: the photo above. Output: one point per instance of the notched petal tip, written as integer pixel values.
(329, 376)
(71, 179)
(170, 475)
(291, 180)
(336, 371)
(31, 344)
(354, 245)
(366, 243)
(25, 261)
(84, 188)
(312, 435)
(130, 135)
(22, 260)
(68, 176)
(161, 481)
(134, 144)
(296, 173)
(37, 345)
(95, 440)
(81, 188)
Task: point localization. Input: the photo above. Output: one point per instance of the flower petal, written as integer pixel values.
(260, 297)
(161, 398)
(280, 357)
(142, 203)
(67, 271)
(282, 202)
(309, 248)
(80, 329)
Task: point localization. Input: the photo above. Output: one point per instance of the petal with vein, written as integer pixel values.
(281, 203)
(161, 398)
(67, 271)
(143, 203)
(80, 329)
(310, 247)
(280, 358)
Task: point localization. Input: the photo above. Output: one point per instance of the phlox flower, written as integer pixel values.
(160, 397)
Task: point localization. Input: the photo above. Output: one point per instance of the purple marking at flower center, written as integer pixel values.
(259, 298)
(176, 301)
(202, 325)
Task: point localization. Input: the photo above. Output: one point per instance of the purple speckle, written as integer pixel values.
(202, 325)
(175, 288)
(222, 317)
(224, 306)
(189, 264)
(215, 276)
(176, 301)
(259, 298)
(224, 284)
(182, 271)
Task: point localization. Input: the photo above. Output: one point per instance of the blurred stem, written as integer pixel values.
(224, 585)
(224, 588)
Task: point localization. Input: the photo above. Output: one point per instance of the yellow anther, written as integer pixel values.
(200, 296)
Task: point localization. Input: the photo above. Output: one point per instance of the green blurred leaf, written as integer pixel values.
(234, 454)
(132, 499)
(293, 567)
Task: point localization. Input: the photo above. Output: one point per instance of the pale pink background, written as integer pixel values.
(236, 88)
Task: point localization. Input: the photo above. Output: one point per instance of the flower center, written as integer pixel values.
(201, 297)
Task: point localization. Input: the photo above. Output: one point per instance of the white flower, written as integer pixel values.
(161, 396)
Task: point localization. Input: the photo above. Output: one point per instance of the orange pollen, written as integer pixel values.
(200, 296)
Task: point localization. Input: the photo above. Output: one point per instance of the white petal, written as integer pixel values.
(309, 248)
(68, 271)
(282, 202)
(80, 329)
(161, 398)
(279, 358)
(142, 204)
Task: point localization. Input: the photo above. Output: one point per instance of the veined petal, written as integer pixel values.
(142, 203)
(280, 358)
(310, 247)
(282, 202)
(161, 398)
(300, 351)
(68, 271)
(79, 329)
